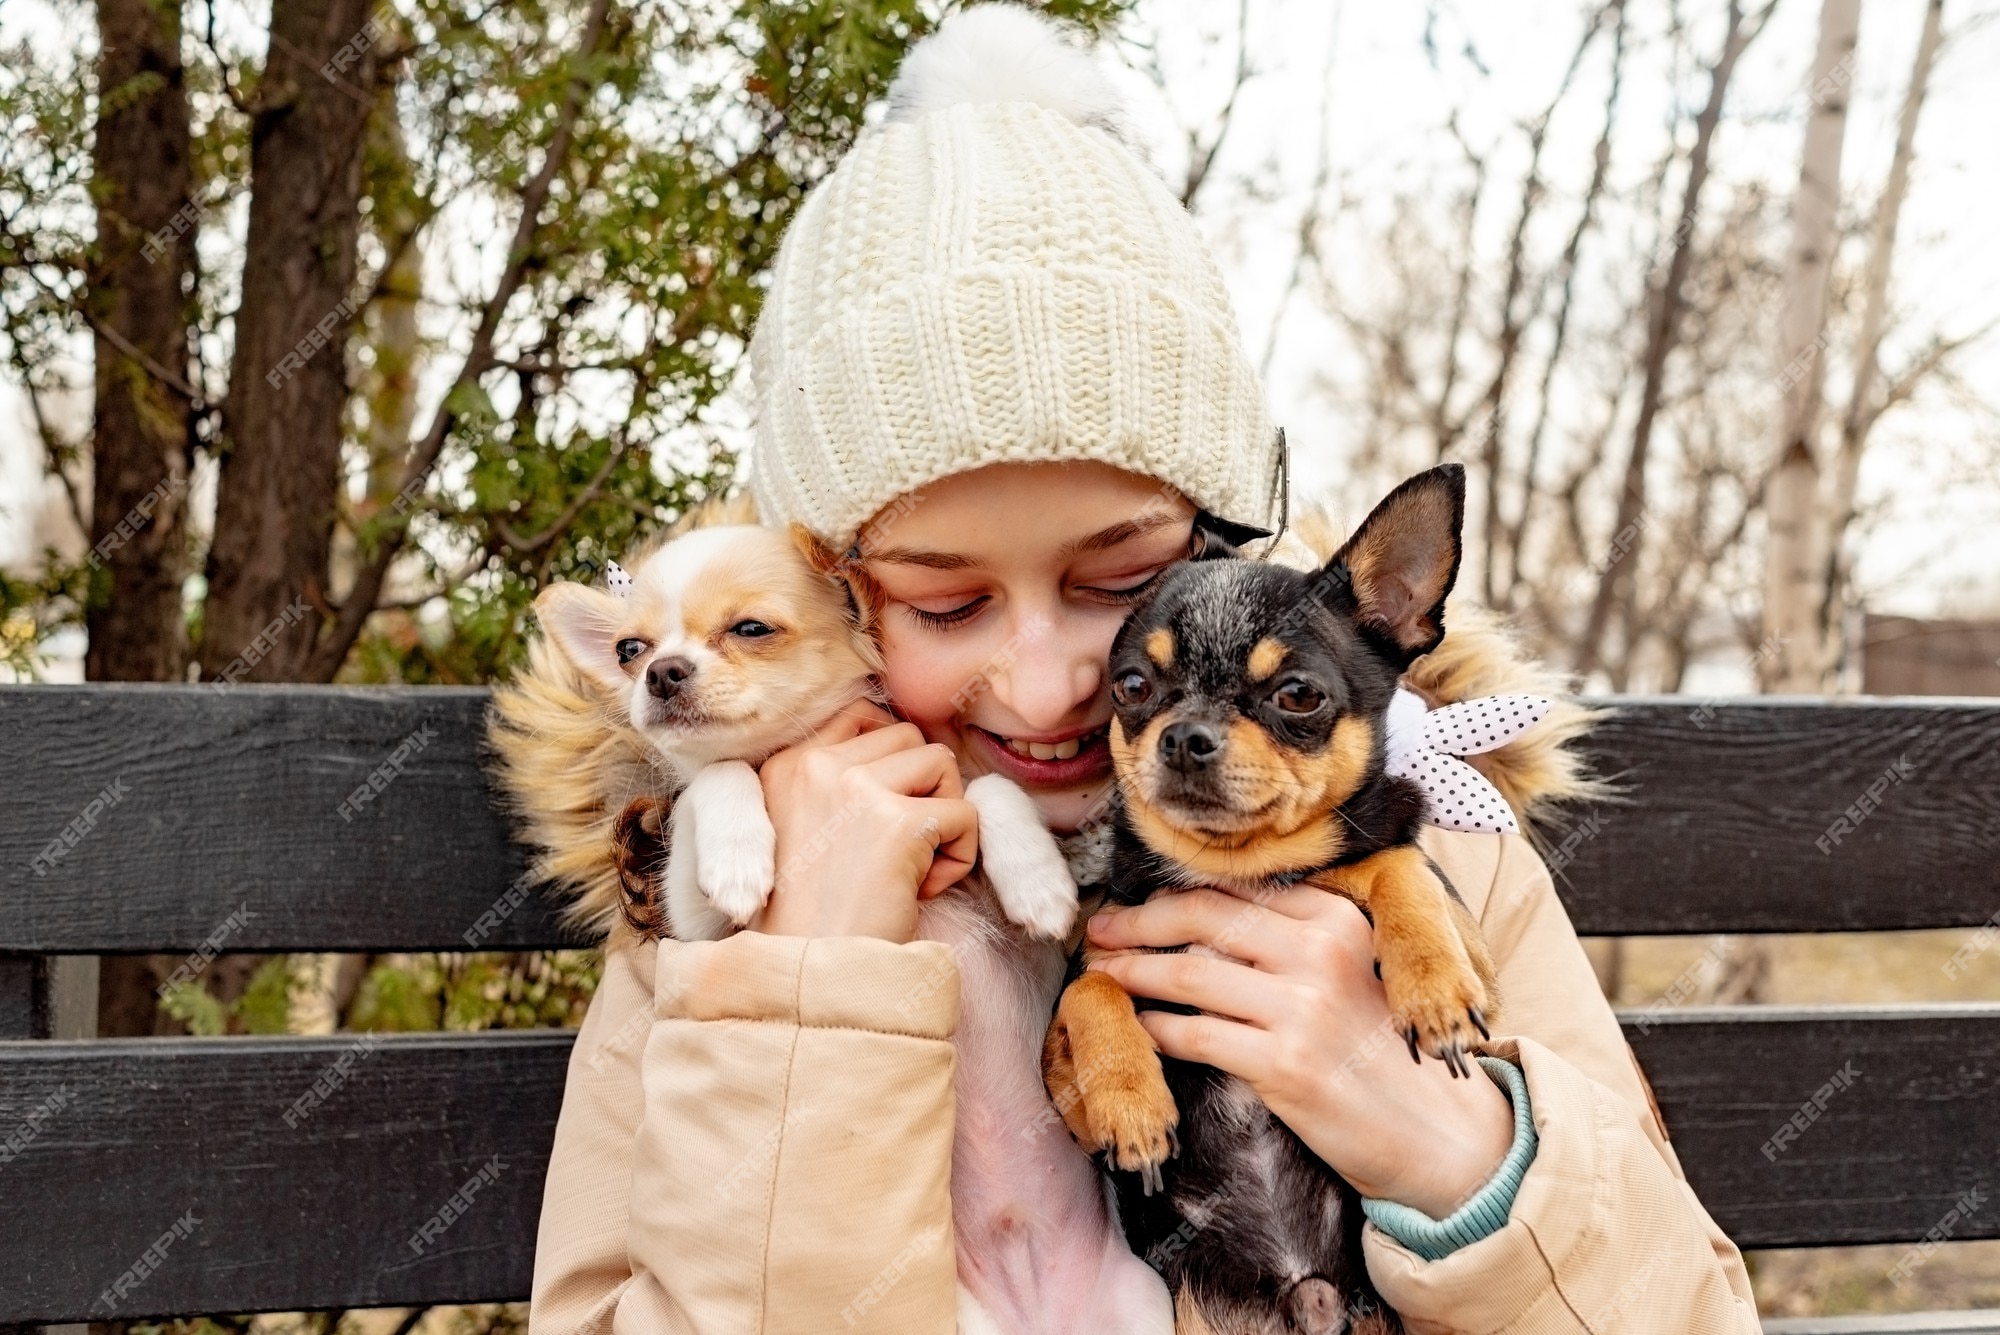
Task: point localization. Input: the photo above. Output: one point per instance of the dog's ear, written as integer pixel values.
(1208, 545)
(1393, 575)
(865, 599)
(585, 623)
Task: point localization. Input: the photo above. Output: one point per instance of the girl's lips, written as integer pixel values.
(1092, 760)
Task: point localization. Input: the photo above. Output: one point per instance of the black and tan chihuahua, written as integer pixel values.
(1250, 703)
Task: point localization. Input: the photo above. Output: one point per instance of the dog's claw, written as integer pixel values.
(1173, 1144)
(1151, 1180)
(1378, 971)
(1415, 1056)
(1478, 1018)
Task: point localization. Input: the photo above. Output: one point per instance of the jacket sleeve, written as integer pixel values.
(767, 1148)
(1604, 1234)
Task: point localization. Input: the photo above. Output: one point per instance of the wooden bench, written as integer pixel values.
(185, 805)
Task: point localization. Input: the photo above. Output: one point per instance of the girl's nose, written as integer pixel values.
(1055, 670)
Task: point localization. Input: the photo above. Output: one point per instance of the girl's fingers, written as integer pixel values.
(1224, 1044)
(1304, 903)
(951, 826)
(877, 742)
(922, 771)
(856, 719)
(1236, 991)
(1247, 931)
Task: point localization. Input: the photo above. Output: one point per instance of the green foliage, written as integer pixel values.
(264, 1007)
(608, 408)
(421, 993)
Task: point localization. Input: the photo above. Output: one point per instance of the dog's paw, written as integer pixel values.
(1131, 1116)
(1439, 1006)
(1021, 859)
(736, 877)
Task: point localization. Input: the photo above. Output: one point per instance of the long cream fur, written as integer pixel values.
(567, 761)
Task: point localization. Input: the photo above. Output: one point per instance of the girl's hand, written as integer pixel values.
(1305, 1022)
(870, 819)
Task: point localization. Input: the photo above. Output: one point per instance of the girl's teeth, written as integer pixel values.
(1063, 750)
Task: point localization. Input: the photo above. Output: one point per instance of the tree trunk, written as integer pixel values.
(1862, 409)
(1663, 329)
(1796, 523)
(143, 183)
(288, 382)
(142, 440)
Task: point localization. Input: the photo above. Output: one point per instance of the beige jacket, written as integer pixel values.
(756, 1137)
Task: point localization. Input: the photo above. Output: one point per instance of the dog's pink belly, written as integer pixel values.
(1036, 1244)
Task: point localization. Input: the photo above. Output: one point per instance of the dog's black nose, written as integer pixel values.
(665, 675)
(1189, 746)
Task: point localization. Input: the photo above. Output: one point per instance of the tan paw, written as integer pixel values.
(1439, 1006)
(1130, 1114)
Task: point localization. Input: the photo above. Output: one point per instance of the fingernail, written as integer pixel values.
(1098, 922)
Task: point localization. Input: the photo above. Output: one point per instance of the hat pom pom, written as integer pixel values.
(1004, 53)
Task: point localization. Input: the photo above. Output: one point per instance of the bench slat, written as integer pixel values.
(1895, 1102)
(231, 800)
(1726, 807)
(321, 1215)
(1915, 1323)
(225, 816)
(314, 1216)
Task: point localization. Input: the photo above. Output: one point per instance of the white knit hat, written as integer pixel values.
(991, 274)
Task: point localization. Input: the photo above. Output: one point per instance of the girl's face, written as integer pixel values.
(1004, 588)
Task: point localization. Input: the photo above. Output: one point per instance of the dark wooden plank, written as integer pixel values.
(1727, 805)
(1915, 1323)
(24, 1010)
(219, 813)
(1904, 1127)
(231, 799)
(137, 1136)
(320, 1215)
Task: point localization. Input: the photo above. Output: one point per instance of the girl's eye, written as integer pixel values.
(752, 629)
(941, 620)
(630, 649)
(1132, 591)
(1297, 697)
(1131, 689)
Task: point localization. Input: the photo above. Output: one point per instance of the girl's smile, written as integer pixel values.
(1003, 588)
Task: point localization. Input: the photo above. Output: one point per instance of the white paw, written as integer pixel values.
(735, 849)
(736, 877)
(1021, 859)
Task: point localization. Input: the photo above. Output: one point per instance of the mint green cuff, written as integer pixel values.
(1486, 1212)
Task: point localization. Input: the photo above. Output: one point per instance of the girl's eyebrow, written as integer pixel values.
(1110, 536)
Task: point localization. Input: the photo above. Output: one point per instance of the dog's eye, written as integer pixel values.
(1131, 689)
(751, 629)
(1297, 697)
(630, 649)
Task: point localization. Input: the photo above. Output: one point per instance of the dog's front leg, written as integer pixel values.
(734, 846)
(1112, 1094)
(1021, 859)
(1438, 993)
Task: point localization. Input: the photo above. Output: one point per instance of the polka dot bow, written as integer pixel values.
(616, 580)
(1423, 746)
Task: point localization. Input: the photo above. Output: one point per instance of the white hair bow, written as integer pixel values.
(616, 580)
(1423, 746)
